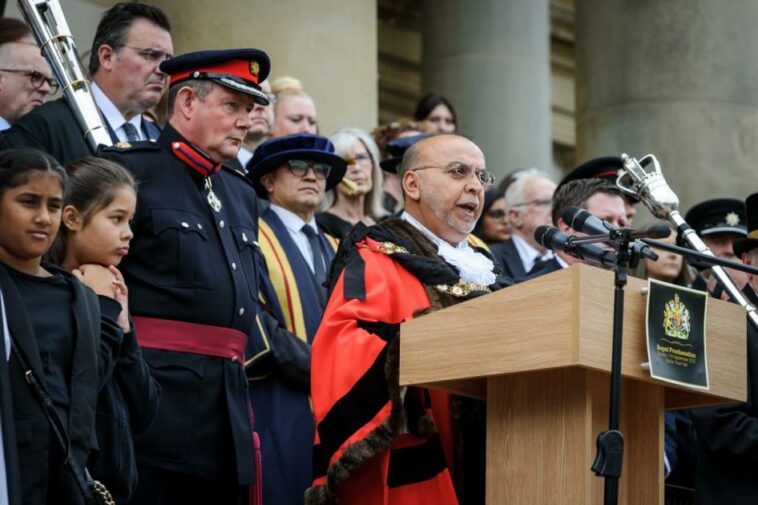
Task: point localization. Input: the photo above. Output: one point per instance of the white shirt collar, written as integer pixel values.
(244, 156)
(561, 262)
(528, 254)
(111, 113)
(4, 125)
(472, 266)
(292, 221)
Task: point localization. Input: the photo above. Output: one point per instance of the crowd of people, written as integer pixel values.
(208, 310)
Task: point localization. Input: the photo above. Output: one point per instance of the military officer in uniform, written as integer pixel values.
(719, 222)
(193, 277)
(727, 435)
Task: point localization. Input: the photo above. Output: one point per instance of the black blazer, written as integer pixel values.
(52, 127)
(542, 268)
(98, 338)
(508, 257)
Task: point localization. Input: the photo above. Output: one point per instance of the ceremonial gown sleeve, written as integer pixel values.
(272, 348)
(351, 390)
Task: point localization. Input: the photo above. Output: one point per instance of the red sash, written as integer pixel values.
(193, 338)
(206, 340)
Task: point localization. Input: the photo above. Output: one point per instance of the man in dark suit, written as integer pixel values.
(595, 195)
(130, 43)
(728, 435)
(25, 76)
(528, 202)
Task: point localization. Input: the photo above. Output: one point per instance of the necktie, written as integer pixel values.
(319, 267)
(131, 132)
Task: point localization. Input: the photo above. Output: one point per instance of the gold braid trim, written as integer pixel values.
(461, 288)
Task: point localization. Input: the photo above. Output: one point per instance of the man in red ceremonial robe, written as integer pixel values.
(377, 443)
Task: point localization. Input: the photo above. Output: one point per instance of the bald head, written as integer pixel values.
(440, 178)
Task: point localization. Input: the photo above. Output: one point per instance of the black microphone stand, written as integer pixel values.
(610, 443)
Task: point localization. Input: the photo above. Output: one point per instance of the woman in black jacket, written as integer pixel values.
(64, 336)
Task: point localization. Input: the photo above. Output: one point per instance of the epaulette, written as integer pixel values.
(233, 171)
(127, 147)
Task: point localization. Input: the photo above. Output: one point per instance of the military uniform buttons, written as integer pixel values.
(234, 359)
(241, 311)
(234, 266)
(185, 224)
(199, 226)
(244, 237)
(220, 224)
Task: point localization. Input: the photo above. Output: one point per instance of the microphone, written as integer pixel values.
(583, 221)
(554, 239)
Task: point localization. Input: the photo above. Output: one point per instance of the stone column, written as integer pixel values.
(491, 58)
(678, 79)
(330, 45)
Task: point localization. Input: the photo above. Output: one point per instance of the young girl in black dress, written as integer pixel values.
(64, 336)
(98, 205)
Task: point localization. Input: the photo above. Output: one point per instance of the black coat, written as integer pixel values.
(728, 441)
(8, 429)
(190, 263)
(127, 404)
(98, 338)
(52, 127)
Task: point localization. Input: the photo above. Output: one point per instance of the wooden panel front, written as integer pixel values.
(541, 431)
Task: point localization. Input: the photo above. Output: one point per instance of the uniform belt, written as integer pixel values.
(193, 338)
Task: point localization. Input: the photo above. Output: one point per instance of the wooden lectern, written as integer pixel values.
(540, 353)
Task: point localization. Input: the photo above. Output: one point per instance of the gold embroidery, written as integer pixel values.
(461, 288)
(387, 248)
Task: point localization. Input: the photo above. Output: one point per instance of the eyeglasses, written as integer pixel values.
(496, 214)
(38, 78)
(299, 168)
(460, 171)
(150, 54)
(539, 202)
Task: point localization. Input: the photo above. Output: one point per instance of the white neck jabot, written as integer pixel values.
(473, 266)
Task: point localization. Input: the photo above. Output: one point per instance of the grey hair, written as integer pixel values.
(200, 87)
(343, 141)
(514, 195)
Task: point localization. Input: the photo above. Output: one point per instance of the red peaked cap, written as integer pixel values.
(238, 69)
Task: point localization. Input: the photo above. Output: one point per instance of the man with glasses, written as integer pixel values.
(25, 77)
(528, 202)
(377, 444)
(131, 41)
(196, 279)
(293, 173)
